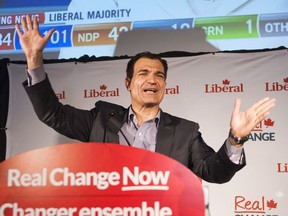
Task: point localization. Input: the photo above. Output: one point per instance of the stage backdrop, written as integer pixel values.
(201, 88)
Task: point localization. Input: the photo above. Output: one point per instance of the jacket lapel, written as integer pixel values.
(164, 140)
(113, 126)
(165, 135)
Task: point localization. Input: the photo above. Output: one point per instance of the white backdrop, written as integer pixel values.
(196, 90)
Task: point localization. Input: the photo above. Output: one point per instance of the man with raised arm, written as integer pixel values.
(143, 124)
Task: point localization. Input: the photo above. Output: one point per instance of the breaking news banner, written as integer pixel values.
(89, 28)
(97, 179)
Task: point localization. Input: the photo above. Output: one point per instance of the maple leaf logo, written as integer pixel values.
(226, 82)
(103, 87)
(271, 204)
(285, 80)
(268, 122)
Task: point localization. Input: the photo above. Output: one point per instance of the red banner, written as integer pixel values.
(97, 179)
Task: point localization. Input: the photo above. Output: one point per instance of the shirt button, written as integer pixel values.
(140, 134)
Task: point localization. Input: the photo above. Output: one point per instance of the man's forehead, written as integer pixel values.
(146, 63)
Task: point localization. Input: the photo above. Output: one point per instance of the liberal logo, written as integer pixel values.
(61, 95)
(282, 168)
(225, 87)
(277, 86)
(261, 206)
(173, 90)
(102, 92)
(258, 133)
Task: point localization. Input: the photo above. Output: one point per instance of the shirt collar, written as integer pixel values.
(132, 118)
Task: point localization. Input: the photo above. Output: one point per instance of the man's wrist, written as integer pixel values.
(237, 141)
(34, 60)
(233, 143)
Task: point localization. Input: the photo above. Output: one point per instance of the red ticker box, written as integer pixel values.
(12, 19)
(7, 39)
(99, 34)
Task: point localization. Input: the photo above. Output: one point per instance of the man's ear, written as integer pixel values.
(127, 83)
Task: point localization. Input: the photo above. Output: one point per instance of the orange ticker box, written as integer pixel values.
(99, 34)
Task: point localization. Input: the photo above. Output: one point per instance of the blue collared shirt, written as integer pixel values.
(141, 137)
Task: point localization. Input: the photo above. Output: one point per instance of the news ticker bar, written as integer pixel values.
(216, 28)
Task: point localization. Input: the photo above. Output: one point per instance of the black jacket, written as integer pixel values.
(177, 138)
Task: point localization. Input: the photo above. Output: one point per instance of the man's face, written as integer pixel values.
(147, 86)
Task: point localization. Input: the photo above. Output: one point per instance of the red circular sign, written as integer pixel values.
(97, 179)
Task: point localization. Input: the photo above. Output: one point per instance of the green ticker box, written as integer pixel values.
(229, 27)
